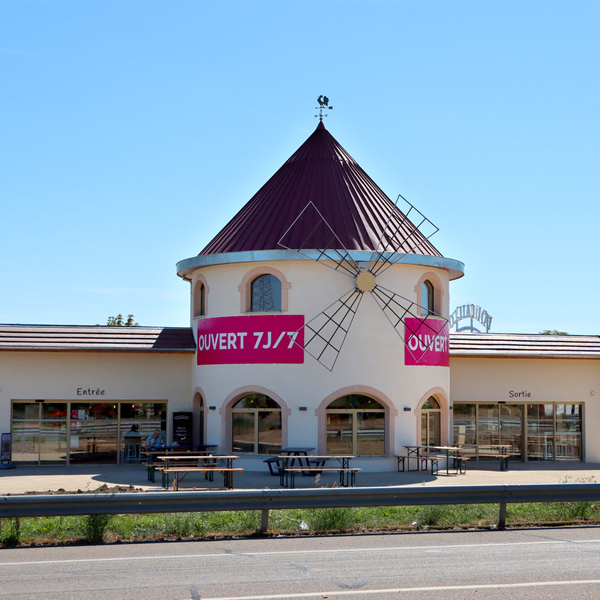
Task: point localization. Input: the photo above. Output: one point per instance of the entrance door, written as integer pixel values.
(501, 424)
(94, 432)
(430, 423)
(511, 428)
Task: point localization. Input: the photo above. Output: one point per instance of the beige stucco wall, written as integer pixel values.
(371, 360)
(122, 376)
(547, 380)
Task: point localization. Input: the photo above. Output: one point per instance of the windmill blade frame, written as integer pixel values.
(396, 313)
(344, 263)
(383, 259)
(325, 334)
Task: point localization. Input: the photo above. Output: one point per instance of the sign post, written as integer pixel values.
(6, 452)
(183, 428)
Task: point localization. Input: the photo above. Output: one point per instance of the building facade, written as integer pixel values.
(318, 319)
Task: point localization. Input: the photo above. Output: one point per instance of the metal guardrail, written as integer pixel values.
(265, 500)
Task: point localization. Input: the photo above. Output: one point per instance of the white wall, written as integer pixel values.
(547, 380)
(371, 360)
(122, 376)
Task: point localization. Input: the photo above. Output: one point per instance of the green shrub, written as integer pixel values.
(12, 537)
(330, 519)
(94, 527)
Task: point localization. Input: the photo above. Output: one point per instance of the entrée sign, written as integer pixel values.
(423, 346)
(253, 339)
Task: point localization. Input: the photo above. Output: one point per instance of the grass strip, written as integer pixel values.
(209, 525)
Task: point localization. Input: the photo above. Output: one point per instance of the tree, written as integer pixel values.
(119, 322)
(553, 332)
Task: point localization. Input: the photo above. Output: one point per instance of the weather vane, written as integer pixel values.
(323, 105)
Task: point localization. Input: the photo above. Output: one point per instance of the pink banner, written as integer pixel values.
(426, 342)
(252, 339)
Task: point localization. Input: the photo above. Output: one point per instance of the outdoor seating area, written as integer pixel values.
(294, 461)
(180, 461)
(454, 458)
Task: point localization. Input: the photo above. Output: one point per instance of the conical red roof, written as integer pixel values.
(323, 173)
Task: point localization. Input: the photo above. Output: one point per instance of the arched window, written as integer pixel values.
(199, 299)
(430, 423)
(265, 294)
(355, 425)
(256, 425)
(427, 298)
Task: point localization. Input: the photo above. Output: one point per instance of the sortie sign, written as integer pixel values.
(426, 342)
(252, 339)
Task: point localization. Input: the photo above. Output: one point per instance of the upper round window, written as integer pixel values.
(265, 294)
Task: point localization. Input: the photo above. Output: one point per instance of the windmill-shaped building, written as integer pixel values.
(320, 314)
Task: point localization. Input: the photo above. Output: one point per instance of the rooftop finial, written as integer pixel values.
(323, 105)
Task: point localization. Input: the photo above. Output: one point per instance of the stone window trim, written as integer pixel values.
(197, 284)
(442, 399)
(245, 288)
(226, 411)
(391, 412)
(438, 291)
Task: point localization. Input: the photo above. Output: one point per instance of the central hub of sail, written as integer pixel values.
(365, 281)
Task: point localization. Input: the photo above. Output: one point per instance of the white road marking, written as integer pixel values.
(445, 588)
(297, 552)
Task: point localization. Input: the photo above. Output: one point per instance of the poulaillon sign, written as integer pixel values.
(253, 339)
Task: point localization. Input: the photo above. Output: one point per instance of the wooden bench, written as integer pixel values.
(433, 460)
(179, 474)
(502, 458)
(152, 467)
(347, 474)
(460, 463)
(274, 463)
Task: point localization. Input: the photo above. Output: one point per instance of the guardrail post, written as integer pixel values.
(264, 520)
(502, 517)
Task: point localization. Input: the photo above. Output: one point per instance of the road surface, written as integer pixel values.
(560, 563)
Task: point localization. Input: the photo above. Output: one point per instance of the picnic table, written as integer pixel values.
(180, 466)
(424, 455)
(153, 456)
(296, 454)
(316, 465)
(500, 451)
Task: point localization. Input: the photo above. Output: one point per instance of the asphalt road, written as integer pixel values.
(535, 563)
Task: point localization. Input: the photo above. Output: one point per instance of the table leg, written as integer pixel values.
(414, 454)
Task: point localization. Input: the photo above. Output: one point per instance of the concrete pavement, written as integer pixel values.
(24, 480)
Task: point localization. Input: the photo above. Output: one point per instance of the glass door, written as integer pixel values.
(26, 432)
(567, 444)
(511, 428)
(339, 433)
(540, 432)
(94, 436)
(53, 433)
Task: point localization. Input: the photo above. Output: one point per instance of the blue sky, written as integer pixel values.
(131, 132)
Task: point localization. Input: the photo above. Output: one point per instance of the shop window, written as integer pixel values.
(355, 425)
(552, 430)
(427, 298)
(256, 425)
(199, 299)
(80, 432)
(265, 294)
